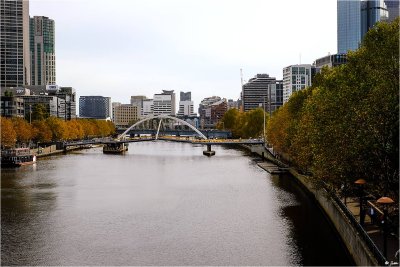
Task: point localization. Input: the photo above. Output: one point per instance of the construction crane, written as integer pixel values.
(241, 76)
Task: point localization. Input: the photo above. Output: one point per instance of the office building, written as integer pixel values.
(393, 9)
(137, 100)
(14, 50)
(164, 103)
(330, 61)
(206, 120)
(185, 96)
(147, 108)
(12, 106)
(58, 101)
(295, 78)
(348, 25)
(95, 107)
(356, 17)
(42, 51)
(124, 115)
(186, 106)
(372, 11)
(258, 92)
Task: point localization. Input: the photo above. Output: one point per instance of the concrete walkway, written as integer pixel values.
(375, 231)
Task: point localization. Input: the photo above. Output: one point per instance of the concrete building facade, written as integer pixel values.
(14, 36)
(164, 103)
(186, 105)
(295, 78)
(124, 115)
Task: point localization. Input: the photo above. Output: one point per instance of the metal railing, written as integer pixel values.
(360, 230)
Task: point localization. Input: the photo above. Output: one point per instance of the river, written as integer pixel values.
(162, 203)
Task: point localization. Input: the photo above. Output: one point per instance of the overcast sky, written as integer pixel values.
(121, 48)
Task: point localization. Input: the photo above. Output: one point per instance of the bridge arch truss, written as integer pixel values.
(162, 116)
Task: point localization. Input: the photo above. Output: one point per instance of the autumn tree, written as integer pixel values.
(8, 134)
(42, 131)
(25, 132)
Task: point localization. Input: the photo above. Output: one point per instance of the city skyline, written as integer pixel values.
(143, 47)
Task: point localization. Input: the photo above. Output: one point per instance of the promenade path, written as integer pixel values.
(373, 229)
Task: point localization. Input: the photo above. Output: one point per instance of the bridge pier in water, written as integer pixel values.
(209, 152)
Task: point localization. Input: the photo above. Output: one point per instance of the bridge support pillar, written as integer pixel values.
(209, 152)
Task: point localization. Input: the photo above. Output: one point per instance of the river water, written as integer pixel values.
(162, 203)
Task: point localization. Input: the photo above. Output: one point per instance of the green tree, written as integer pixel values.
(39, 112)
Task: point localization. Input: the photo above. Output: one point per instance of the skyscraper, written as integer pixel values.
(43, 58)
(356, 17)
(372, 11)
(14, 39)
(348, 25)
(393, 8)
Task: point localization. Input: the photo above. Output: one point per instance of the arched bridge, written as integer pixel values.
(201, 138)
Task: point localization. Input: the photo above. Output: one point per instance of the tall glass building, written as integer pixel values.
(43, 58)
(348, 25)
(356, 17)
(372, 12)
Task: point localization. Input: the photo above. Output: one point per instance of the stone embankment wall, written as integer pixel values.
(356, 246)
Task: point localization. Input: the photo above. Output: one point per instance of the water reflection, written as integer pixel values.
(161, 204)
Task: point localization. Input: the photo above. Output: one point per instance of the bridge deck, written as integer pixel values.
(169, 138)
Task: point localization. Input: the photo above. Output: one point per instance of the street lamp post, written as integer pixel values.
(360, 183)
(264, 120)
(385, 201)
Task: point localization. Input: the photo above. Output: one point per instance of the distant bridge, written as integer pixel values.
(201, 138)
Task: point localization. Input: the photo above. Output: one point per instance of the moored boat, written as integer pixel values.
(115, 148)
(17, 157)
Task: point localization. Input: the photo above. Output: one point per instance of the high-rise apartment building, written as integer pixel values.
(259, 92)
(95, 107)
(295, 78)
(14, 39)
(42, 51)
(356, 17)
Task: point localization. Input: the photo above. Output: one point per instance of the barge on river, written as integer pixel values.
(17, 157)
(115, 148)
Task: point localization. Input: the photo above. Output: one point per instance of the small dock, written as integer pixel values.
(271, 167)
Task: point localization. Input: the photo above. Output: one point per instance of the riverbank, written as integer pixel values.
(52, 150)
(361, 245)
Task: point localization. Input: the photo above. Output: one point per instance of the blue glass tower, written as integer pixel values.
(372, 11)
(356, 17)
(348, 25)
